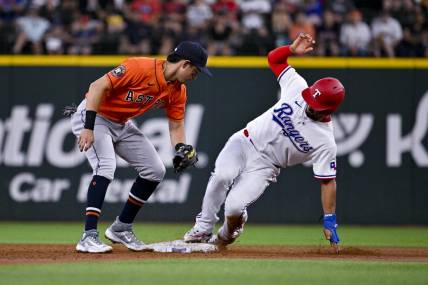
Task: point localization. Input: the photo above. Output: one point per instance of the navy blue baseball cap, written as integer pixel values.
(195, 53)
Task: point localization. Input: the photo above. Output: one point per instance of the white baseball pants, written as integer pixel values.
(241, 170)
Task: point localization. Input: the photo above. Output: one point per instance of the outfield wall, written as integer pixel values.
(381, 133)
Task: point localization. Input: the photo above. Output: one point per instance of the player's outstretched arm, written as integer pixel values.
(277, 58)
(302, 44)
(328, 201)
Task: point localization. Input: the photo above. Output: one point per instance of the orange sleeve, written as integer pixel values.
(126, 74)
(176, 107)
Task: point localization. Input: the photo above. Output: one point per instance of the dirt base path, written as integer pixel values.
(28, 253)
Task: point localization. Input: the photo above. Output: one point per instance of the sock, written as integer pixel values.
(95, 198)
(140, 192)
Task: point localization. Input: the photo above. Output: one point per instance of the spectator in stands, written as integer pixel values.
(228, 9)
(47, 9)
(254, 13)
(149, 11)
(255, 38)
(113, 29)
(64, 14)
(401, 10)
(313, 11)
(219, 35)
(7, 36)
(40, 3)
(387, 33)
(56, 39)
(414, 42)
(328, 36)
(199, 14)
(240, 26)
(137, 35)
(256, 42)
(11, 9)
(340, 8)
(175, 9)
(355, 36)
(281, 23)
(32, 28)
(194, 34)
(85, 33)
(301, 25)
(225, 7)
(171, 32)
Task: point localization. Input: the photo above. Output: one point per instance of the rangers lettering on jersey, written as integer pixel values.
(281, 116)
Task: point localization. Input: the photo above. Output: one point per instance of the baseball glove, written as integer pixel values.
(185, 156)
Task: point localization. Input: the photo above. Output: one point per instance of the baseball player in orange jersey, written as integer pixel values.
(297, 129)
(103, 127)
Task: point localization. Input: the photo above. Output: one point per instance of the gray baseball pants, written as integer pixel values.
(125, 140)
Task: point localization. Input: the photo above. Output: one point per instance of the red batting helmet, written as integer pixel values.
(325, 94)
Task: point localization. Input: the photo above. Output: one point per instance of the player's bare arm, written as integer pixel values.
(185, 154)
(176, 132)
(96, 91)
(328, 201)
(328, 196)
(277, 58)
(303, 44)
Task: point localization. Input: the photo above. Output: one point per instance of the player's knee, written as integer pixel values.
(234, 208)
(159, 172)
(109, 174)
(223, 176)
(106, 169)
(156, 172)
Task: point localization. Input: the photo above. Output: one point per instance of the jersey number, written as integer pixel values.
(144, 99)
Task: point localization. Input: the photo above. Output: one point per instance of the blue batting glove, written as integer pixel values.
(331, 225)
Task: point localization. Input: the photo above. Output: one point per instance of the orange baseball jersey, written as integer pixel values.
(138, 84)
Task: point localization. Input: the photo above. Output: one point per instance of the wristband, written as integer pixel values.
(90, 119)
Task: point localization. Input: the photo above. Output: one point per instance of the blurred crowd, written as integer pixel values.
(388, 28)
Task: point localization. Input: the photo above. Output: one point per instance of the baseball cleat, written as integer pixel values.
(195, 235)
(122, 233)
(220, 241)
(91, 243)
(223, 239)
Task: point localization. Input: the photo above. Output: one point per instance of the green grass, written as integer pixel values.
(254, 234)
(219, 271)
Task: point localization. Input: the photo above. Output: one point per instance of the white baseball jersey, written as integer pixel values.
(285, 135)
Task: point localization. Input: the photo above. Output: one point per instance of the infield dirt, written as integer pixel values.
(37, 253)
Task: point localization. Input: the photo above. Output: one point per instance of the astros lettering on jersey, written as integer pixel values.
(138, 84)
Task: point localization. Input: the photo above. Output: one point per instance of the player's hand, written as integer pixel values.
(303, 44)
(330, 232)
(86, 139)
(185, 156)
